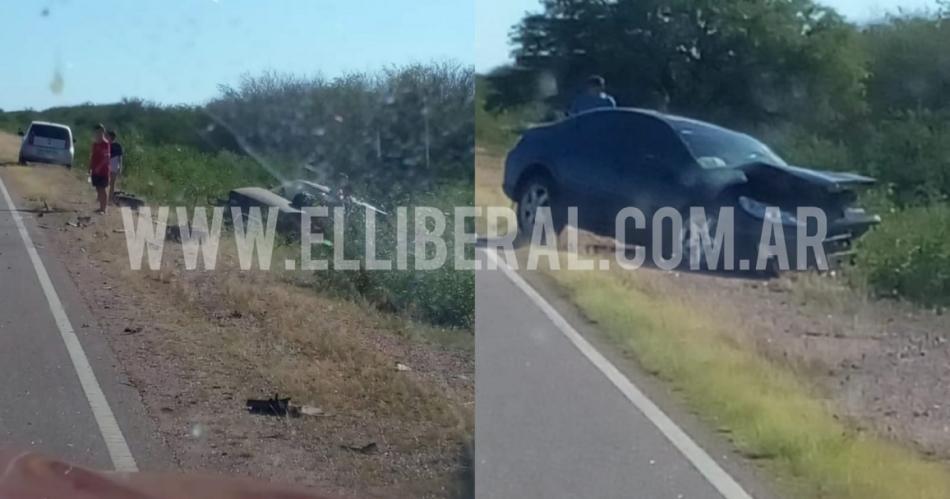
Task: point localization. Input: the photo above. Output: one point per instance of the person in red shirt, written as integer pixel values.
(99, 166)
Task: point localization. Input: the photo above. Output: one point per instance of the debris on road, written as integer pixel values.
(173, 233)
(125, 199)
(309, 410)
(282, 407)
(369, 448)
(80, 221)
(272, 407)
(402, 367)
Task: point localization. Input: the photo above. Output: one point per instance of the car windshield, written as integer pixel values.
(715, 147)
(50, 132)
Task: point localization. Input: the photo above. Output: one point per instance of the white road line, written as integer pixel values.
(116, 444)
(706, 465)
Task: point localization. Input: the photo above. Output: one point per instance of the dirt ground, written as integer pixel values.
(197, 344)
(883, 364)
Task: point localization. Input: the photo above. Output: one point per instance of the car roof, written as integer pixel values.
(673, 120)
(48, 123)
(680, 124)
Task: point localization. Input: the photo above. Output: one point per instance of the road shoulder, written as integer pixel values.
(147, 448)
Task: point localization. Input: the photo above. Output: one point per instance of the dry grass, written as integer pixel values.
(9, 148)
(830, 295)
(318, 348)
(488, 179)
(340, 353)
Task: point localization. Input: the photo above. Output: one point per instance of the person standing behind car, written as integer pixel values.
(115, 163)
(593, 97)
(99, 166)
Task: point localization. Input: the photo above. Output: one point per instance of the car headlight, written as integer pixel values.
(760, 210)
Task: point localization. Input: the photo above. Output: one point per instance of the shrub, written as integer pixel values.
(444, 296)
(908, 255)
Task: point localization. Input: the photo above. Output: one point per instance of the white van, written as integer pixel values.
(47, 143)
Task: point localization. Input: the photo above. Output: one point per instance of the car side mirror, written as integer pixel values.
(74, 141)
(20, 133)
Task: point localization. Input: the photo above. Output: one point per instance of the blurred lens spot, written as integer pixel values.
(547, 85)
(198, 431)
(57, 84)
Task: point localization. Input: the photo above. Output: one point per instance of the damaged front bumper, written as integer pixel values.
(837, 245)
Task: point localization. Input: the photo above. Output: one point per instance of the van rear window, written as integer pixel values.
(50, 132)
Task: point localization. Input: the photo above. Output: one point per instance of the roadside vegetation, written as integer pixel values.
(400, 137)
(823, 92)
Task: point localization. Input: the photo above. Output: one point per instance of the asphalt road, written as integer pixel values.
(556, 419)
(62, 392)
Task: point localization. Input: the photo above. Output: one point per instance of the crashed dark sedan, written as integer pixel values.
(603, 161)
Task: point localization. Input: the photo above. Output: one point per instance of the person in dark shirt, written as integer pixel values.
(594, 96)
(115, 163)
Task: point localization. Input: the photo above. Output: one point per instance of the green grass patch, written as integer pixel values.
(908, 256)
(767, 410)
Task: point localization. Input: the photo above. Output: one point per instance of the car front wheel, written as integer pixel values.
(537, 193)
(691, 237)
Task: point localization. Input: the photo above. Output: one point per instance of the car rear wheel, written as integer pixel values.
(536, 193)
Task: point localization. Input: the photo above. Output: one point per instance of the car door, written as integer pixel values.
(649, 166)
(589, 166)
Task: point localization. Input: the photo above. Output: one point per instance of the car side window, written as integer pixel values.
(659, 147)
(600, 133)
(608, 137)
(629, 141)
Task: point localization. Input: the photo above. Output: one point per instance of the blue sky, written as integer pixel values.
(494, 18)
(178, 51)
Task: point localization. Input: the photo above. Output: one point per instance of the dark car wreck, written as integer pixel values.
(605, 160)
(290, 199)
